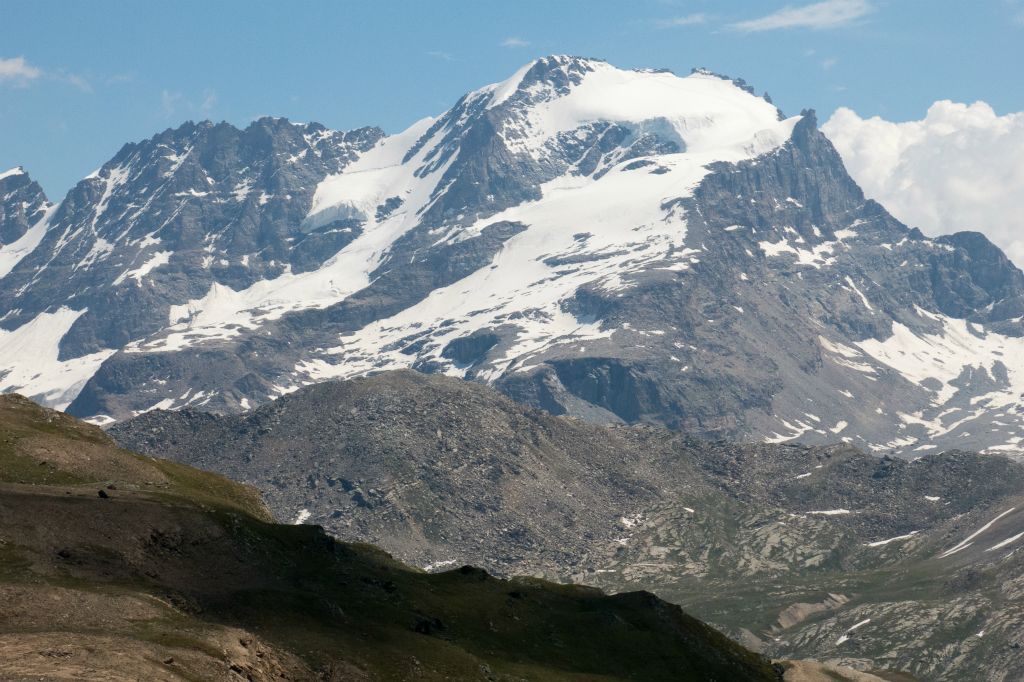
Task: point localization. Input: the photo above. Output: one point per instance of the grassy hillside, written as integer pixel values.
(117, 566)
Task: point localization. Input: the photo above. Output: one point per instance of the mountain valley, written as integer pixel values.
(784, 547)
(599, 374)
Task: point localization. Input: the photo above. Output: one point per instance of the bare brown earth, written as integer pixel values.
(810, 671)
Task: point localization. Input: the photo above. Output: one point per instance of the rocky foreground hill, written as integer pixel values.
(627, 246)
(813, 552)
(115, 566)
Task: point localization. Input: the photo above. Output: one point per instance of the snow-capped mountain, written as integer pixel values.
(160, 222)
(620, 245)
(23, 205)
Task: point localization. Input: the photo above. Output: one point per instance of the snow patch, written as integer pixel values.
(440, 564)
(17, 170)
(846, 635)
(943, 356)
(898, 538)
(631, 521)
(31, 354)
(966, 542)
(154, 261)
(13, 253)
(1004, 543)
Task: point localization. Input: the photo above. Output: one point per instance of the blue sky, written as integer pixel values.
(79, 79)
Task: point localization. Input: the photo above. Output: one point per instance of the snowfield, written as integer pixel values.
(713, 119)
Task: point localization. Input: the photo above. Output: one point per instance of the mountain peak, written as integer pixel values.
(564, 63)
(22, 204)
(556, 75)
(560, 62)
(277, 122)
(555, 95)
(11, 172)
(553, 69)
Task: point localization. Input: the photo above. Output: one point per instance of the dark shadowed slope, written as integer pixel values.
(115, 566)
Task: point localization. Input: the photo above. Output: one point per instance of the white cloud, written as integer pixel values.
(209, 101)
(18, 71)
(512, 41)
(676, 22)
(119, 78)
(443, 56)
(169, 102)
(827, 14)
(957, 169)
(75, 80)
(175, 103)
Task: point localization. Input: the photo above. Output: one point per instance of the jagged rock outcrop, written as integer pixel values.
(22, 205)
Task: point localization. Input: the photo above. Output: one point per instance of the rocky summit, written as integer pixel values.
(808, 552)
(626, 246)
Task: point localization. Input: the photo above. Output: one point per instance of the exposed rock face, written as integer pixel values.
(22, 204)
(169, 217)
(623, 246)
(785, 547)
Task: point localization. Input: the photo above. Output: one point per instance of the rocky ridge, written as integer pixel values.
(820, 552)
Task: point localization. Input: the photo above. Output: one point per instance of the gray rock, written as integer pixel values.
(442, 472)
(22, 204)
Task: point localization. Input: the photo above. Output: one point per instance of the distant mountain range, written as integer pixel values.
(623, 246)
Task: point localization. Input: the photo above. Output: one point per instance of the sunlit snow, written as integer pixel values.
(523, 289)
(31, 354)
(967, 542)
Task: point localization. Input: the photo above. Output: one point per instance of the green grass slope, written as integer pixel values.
(117, 566)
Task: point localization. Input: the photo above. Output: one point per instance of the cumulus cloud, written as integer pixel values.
(209, 101)
(676, 22)
(175, 103)
(959, 168)
(80, 82)
(169, 102)
(827, 14)
(18, 71)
